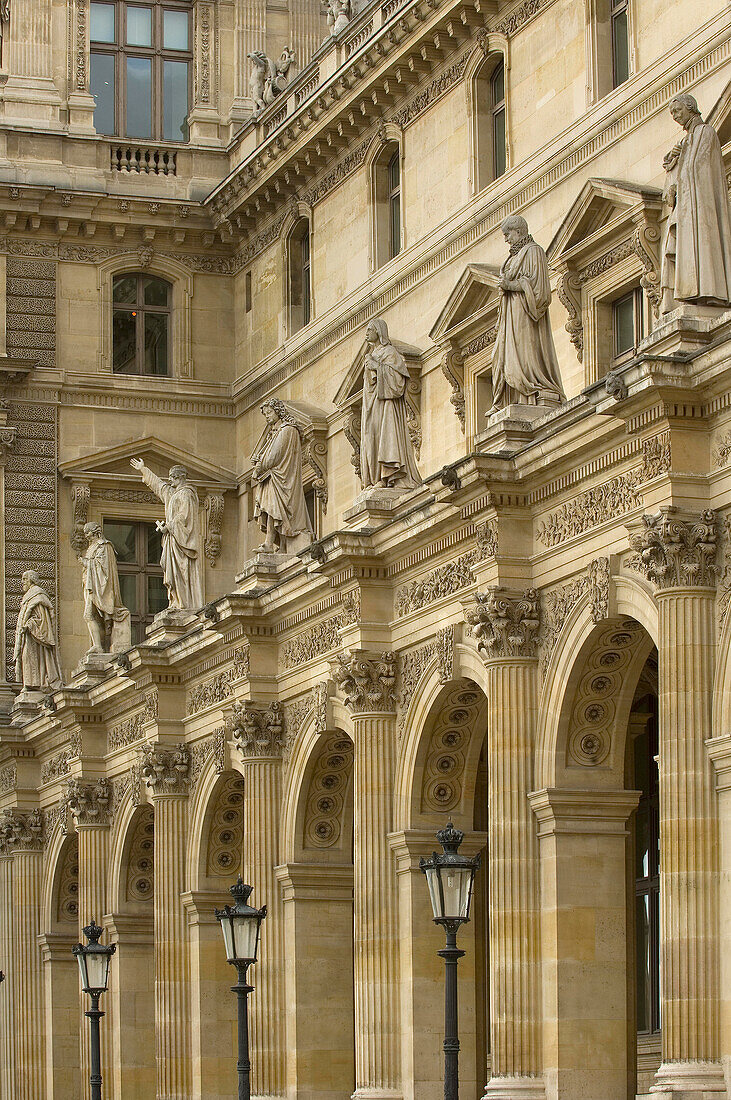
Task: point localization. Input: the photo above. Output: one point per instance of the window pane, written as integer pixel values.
(175, 100)
(125, 289)
(155, 292)
(101, 22)
(101, 82)
(139, 26)
(642, 841)
(393, 172)
(139, 97)
(498, 86)
(624, 325)
(395, 226)
(157, 597)
(122, 538)
(175, 30)
(620, 48)
(123, 340)
(154, 545)
(156, 343)
(128, 589)
(498, 138)
(644, 991)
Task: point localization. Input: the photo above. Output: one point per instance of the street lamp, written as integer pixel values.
(240, 924)
(450, 878)
(94, 959)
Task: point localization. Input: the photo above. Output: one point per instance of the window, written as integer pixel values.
(140, 325)
(394, 205)
(609, 46)
(300, 277)
(138, 547)
(647, 880)
(386, 200)
(140, 72)
(247, 292)
(620, 42)
(627, 325)
(490, 125)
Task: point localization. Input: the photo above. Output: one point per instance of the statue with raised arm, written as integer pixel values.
(36, 661)
(279, 499)
(182, 548)
(105, 615)
(386, 452)
(696, 262)
(524, 365)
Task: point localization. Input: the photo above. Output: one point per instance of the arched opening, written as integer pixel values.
(490, 120)
(61, 975)
(299, 275)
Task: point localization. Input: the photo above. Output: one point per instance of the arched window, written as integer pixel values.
(300, 276)
(141, 63)
(387, 204)
(141, 307)
(490, 126)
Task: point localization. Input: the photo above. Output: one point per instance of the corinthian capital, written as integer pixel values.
(166, 771)
(258, 728)
(90, 803)
(505, 623)
(677, 551)
(21, 832)
(367, 681)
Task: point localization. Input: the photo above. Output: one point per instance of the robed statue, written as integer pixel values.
(36, 661)
(524, 364)
(696, 263)
(105, 615)
(386, 452)
(279, 499)
(182, 549)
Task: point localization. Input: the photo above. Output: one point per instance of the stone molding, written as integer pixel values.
(367, 681)
(505, 622)
(21, 832)
(166, 771)
(677, 550)
(599, 812)
(89, 803)
(258, 729)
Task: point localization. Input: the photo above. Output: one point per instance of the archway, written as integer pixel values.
(60, 932)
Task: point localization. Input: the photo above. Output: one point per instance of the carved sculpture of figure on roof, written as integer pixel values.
(696, 262)
(386, 452)
(524, 364)
(182, 548)
(105, 615)
(260, 73)
(35, 657)
(279, 499)
(338, 15)
(279, 73)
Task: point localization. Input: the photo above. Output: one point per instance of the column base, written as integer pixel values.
(690, 1081)
(515, 1088)
(377, 1094)
(31, 98)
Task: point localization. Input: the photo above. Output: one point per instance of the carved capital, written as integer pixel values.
(166, 771)
(505, 623)
(367, 681)
(258, 728)
(677, 551)
(21, 832)
(89, 803)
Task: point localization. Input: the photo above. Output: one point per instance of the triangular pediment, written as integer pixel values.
(352, 384)
(113, 464)
(720, 116)
(600, 209)
(474, 294)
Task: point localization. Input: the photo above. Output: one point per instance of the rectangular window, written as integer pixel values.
(101, 23)
(394, 203)
(247, 291)
(306, 303)
(138, 548)
(620, 42)
(139, 26)
(140, 325)
(139, 97)
(101, 84)
(498, 121)
(627, 324)
(175, 100)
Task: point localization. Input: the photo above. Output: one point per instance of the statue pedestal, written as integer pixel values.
(168, 625)
(27, 706)
(262, 570)
(685, 330)
(511, 428)
(92, 667)
(374, 507)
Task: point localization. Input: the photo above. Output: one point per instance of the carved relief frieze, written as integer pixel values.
(557, 605)
(8, 778)
(323, 636)
(324, 813)
(486, 537)
(722, 450)
(598, 578)
(673, 550)
(133, 728)
(219, 688)
(724, 580)
(443, 581)
(213, 748)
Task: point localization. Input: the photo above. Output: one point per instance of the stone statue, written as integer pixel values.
(524, 365)
(696, 264)
(4, 21)
(268, 78)
(36, 661)
(279, 500)
(338, 15)
(386, 452)
(182, 547)
(105, 615)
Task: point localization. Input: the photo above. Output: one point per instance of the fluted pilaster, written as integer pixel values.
(7, 1060)
(28, 58)
(29, 1031)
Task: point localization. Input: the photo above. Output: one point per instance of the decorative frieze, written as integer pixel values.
(133, 728)
(166, 771)
(675, 551)
(60, 764)
(486, 537)
(322, 637)
(598, 577)
(557, 605)
(8, 778)
(258, 728)
(366, 680)
(505, 623)
(89, 803)
(443, 581)
(21, 832)
(340, 172)
(213, 748)
(220, 687)
(434, 90)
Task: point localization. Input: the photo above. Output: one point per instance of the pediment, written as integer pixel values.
(474, 295)
(352, 384)
(113, 465)
(720, 115)
(599, 211)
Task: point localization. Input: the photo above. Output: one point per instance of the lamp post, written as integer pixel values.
(450, 878)
(240, 924)
(94, 959)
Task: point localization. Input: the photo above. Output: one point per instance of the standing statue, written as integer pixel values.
(268, 78)
(338, 15)
(524, 365)
(35, 658)
(279, 500)
(696, 263)
(259, 74)
(386, 452)
(182, 549)
(105, 615)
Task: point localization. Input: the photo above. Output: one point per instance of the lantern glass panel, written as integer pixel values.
(457, 888)
(94, 968)
(246, 934)
(228, 939)
(432, 881)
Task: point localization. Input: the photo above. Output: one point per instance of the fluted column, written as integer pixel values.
(505, 625)
(21, 834)
(367, 682)
(89, 804)
(677, 553)
(166, 773)
(7, 954)
(259, 731)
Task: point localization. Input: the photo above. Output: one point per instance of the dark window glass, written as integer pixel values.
(124, 340)
(497, 85)
(156, 292)
(627, 323)
(175, 100)
(154, 544)
(306, 278)
(157, 597)
(123, 538)
(156, 343)
(620, 42)
(139, 97)
(125, 289)
(647, 880)
(101, 83)
(247, 291)
(394, 204)
(141, 325)
(140, 573)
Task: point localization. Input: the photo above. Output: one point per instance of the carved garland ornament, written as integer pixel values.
(214, 519)
(328, 788)
(443, 581)
(367, 681)
(226, 836)
(675, 551)
(219, 688)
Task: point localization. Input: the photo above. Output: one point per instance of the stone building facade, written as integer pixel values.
(533, 643)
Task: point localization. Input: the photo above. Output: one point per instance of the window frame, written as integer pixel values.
(141, 569)
(394, 204)
(299, 275)
(485, 110)
(139, 309)
(618, 9)
(635, 293)
(387, 197)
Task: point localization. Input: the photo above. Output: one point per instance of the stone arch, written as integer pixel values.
(61, 882)
(59, 931)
